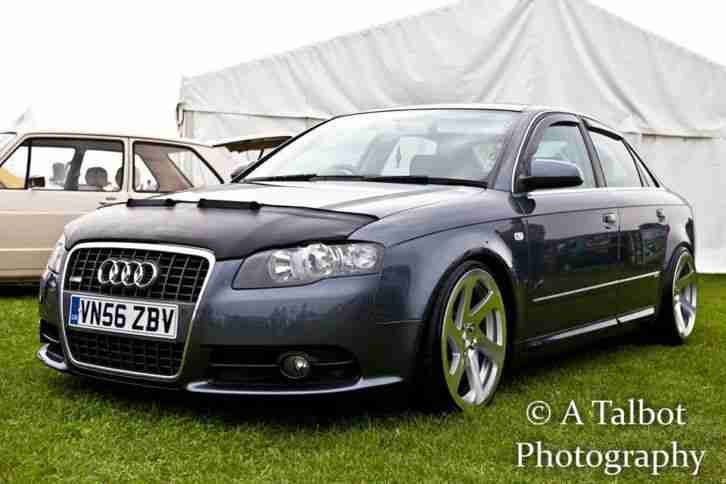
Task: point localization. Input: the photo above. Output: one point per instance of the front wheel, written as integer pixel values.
(467, 340)
(680, 299)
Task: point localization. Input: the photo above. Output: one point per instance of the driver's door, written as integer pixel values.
(572, 235)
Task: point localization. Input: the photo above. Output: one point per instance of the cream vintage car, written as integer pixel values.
(49, 178)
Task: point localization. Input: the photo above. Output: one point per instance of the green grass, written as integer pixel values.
(63, 428)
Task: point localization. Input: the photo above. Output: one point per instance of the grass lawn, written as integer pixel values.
(62, 428)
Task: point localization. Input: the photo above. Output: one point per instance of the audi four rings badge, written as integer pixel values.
(116, 272)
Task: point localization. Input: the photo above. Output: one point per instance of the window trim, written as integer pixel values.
(142, 141)
(640, 163)
(534, 135)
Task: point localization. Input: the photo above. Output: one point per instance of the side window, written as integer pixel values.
(14, 170)
(617, 163)
(564, 142)
(50, 166)
(160, 168)
(65, 164)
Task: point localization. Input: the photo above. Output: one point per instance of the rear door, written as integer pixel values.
(642, 209)
(50, 181)
(572, 235)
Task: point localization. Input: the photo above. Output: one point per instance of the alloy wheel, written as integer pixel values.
(473, 339)
(685, 295)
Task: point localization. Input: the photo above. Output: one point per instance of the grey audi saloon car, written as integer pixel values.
(428, 246)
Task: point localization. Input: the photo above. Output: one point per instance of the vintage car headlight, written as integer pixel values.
(303, 265)
(54, 261)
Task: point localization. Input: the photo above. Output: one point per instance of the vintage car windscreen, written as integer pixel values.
(6, 139)
(436, 143)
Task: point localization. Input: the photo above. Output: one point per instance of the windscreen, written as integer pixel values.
(437, 143)
(6, 139)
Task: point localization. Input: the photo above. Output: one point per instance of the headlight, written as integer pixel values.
(56, 256)
(304, 265)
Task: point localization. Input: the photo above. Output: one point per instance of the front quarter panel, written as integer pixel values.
(414, 269)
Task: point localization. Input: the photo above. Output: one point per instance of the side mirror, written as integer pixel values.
(546, 173)
(237, 170)
(36, 182)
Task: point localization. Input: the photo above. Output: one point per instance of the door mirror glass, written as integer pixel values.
(546, 174)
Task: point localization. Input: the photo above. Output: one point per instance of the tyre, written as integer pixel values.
(466, 341)
(680, 298)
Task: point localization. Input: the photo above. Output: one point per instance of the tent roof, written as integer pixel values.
(560, 52)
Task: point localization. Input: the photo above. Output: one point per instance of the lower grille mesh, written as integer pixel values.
(161, 358)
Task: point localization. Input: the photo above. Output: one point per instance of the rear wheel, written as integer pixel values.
(467, 340)
(680, 299)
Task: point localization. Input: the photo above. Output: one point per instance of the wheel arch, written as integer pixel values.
(488, 244)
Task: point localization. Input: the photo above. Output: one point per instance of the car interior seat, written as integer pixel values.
(96, 178)
(119, 177)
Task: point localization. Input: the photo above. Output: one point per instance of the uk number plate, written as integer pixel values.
(124, 316)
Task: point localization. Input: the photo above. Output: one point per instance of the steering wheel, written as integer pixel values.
(344, 169)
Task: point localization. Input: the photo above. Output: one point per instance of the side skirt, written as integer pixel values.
(587, 328)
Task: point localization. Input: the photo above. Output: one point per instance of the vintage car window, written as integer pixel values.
(14, 170)
(51, 164)
(161, 168)
(446, 143)
(6, 139)
(564, 142)
(102, 170)
(617, 163)
(64, 164)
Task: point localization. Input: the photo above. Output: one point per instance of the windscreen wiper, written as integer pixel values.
(297, 177)
(412, 179)
(426, 180)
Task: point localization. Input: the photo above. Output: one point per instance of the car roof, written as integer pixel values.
(114, 134)
(499, 107)
(529, 108)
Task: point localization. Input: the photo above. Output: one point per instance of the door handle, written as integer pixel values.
(107, 201)
(610, 219)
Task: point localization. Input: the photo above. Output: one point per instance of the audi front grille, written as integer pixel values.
(181, 276)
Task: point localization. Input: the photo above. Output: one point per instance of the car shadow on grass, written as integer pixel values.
(21, 290)
(316, 412)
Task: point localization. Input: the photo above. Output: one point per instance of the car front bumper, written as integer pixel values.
(334, 322)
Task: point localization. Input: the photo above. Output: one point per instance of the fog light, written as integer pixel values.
(295, 366)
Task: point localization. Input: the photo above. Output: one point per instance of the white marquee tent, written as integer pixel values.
(568, 53)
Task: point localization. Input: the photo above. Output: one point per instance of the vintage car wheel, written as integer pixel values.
(468, 340)
(680, 298)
